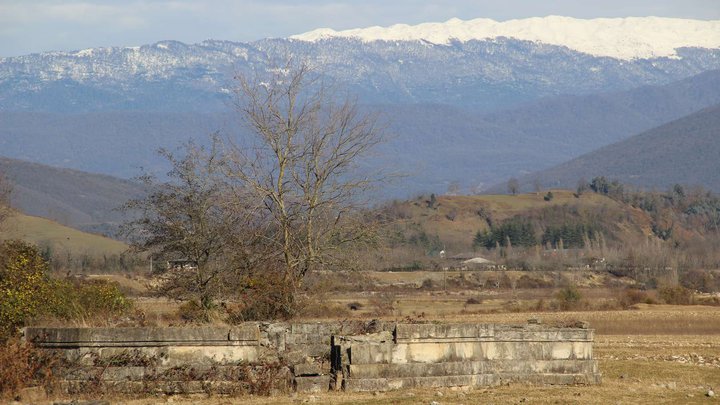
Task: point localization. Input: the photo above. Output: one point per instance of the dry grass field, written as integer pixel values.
(648, 354)
(62, 239)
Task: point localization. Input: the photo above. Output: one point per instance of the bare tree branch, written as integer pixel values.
(303, 163)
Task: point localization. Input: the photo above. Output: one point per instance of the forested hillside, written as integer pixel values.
(78, 199)
(685, 151)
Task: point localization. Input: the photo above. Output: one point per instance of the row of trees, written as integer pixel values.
(513, 232)
(691, 208)
(518, 232)
(254, 216)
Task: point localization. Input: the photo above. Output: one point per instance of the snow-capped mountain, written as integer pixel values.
(478, 63)
(471, 101)
(621, 38)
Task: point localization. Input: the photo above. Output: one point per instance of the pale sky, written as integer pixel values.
(28, 26)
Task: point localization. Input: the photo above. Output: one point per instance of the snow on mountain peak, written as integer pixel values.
(621, 38)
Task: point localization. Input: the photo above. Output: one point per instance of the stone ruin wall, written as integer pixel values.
(315, 357)
(432, 355)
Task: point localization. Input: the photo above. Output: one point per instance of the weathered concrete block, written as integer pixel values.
(371, 353)
(318, 329)
(433, 332)
(187, 372)
(311, 369)
(387, 384)
(372, 338)
(143, 337)
(539, 334)
(408, 370)
(245, 333)
(470, 368)
(429, 355)
(312, 384)
(178, 355)
(212, 359)
(437, 352)
(310, 350)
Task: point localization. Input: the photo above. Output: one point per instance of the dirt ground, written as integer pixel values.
(654, 354)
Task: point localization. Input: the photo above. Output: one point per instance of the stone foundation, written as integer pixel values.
(428, 355)
(315, 357)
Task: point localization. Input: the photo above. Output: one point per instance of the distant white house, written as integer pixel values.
(478, 261)
(182, 264)
(470, 260)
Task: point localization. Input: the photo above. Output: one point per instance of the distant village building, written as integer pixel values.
(182, 264)
(466, 261)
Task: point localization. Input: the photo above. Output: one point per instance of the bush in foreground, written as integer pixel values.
(22, 365)
(27, 292)
(25, 289)
(86, 299)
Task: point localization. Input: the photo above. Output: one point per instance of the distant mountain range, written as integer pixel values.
(478, 63)
(476, 149)
(472, 102)
(621, 38)
(434, 145)
(685, 151)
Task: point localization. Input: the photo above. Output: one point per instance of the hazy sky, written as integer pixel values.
(28, 26)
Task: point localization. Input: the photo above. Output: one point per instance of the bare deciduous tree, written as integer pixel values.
(302, 163)
(513, 185)
(255, 215)
(183, 220)
(537, 185)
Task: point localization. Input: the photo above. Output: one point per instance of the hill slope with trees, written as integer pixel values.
(79, 199)
(684, 151)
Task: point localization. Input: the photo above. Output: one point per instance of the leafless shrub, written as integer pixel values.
(700, 280)
(23, 365)
(632, 296)
(427, 284)
(676, 295)
(384, 304)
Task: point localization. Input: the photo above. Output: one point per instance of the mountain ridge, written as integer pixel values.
(683, 151)
(470, 112)
(82, 200)
(171, 76)
(622, 38)
(435, 145)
